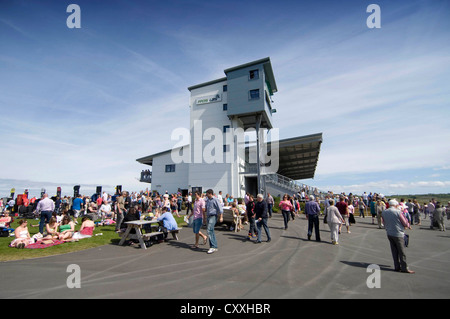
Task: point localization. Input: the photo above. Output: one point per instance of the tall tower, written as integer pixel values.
(240, 101)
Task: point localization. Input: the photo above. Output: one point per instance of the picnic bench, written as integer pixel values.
(137, 225)
(143, 237)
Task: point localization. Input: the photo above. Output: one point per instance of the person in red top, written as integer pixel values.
(99, 201)
(342, 206)
(286, 209)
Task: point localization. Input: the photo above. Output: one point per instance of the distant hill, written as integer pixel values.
(424, 198)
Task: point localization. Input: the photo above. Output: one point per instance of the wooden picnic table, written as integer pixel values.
(137, 225)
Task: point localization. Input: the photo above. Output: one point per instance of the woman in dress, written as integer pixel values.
(23, 238)
(86, 230)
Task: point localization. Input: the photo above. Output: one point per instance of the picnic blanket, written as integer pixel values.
(40, 245)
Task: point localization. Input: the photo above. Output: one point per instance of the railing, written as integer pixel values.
(291, 184)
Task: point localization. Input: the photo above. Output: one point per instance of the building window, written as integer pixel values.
(170, 168)
(226, 148)
(253, 75)
(225, 107)
(226, 128)
(254, 94)
(225, 88)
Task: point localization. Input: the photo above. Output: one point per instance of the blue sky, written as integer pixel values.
(79, 106)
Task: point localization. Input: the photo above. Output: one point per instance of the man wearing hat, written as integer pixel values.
(395, 222)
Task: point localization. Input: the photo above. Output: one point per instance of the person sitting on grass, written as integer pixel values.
(105, 211)
(52, 229)
(92, 211)
(86, 230)
(66, 229)
(168, 221)
(5, 222)
(23, 238)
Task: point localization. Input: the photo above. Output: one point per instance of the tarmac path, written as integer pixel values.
(289, 267)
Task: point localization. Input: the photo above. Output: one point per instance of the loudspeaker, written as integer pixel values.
(76, 191)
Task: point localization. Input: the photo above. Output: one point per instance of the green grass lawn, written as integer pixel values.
(109, 237)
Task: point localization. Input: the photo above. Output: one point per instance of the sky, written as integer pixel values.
(80, 105)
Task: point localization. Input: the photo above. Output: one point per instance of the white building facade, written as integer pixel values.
(223, 114)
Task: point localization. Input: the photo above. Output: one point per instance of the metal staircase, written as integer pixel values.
(277, 184)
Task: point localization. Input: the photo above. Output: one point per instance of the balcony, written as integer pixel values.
(146, 176)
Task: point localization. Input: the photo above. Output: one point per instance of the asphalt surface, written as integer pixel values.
(289, 267)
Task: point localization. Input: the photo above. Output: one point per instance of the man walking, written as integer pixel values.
(342, 206)
(261, 217)
(213, 208)
(46, 207)
(394, 223)
(312, 211)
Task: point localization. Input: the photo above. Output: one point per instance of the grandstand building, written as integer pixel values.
(232, 145)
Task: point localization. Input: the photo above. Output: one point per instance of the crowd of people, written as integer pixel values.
(58, 217)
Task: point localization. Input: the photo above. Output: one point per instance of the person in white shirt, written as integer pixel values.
(45, 207)
(220, 198)
(105, 210)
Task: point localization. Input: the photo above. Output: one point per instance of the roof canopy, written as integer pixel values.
(299, 156)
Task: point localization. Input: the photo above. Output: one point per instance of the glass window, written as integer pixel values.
(254, 94)
(225, 107)
(253, 75)
(225, 88)
(170, 168)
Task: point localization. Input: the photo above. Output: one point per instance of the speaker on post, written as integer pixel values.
(99, 190)
(76, 191)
